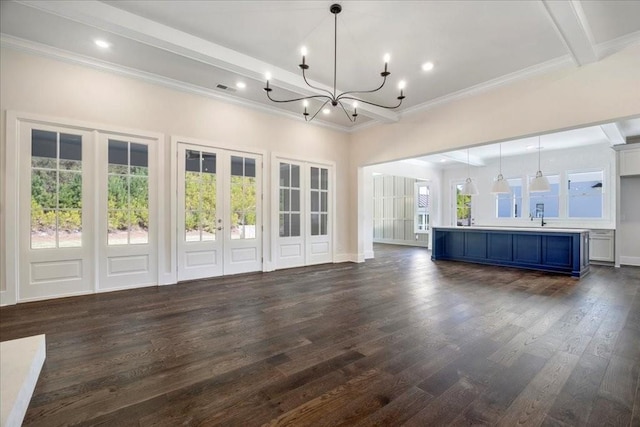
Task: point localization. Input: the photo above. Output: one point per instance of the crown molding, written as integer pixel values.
(612, 46)
(39, 49)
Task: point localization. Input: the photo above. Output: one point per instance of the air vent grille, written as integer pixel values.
(225, 87)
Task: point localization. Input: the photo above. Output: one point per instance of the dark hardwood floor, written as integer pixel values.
(399, 340)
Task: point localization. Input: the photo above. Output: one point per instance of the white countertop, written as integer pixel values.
(534, 229)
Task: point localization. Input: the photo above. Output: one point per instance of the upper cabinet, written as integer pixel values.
(630, 162)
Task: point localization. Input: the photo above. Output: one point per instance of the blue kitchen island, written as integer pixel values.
(558, 250)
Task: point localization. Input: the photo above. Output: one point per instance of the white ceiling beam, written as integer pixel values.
(614, 134)
(571, 24)
(135, 27)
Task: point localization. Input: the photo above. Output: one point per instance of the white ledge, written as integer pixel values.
(534, 229)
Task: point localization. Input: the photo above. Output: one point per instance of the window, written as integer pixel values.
(546, 204)
(463, 207)
(585, 194)
(289, 200)
(200, 193)
(510, 205)
(243, 198)
(128, 193)
(421, 207)
(319, 201)
(56, 190)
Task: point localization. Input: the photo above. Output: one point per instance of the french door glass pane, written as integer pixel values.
(315, 224)
(56, 189)
(243, 198)
(315, 178)
(200, 196)
(128, 193)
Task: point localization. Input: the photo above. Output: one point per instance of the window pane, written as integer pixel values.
(208, 192)
(324, 207)
(44, 188)
(315, 178)
(43, 228)
(237, 225)
(323, 224)
(585, 194)
(236, 166)
(192, 190)
(118, 197)
(192, 161)
(546, 203)
(70, 190)
(295, 200)
(284, 174)
(315, 224)
(139, 155)
(250, 225)
(139, 229)
(315, 201)
(208, 163)
(284, 200)
(70, 228)
(192, 226)
(249, 167)
(284, 225)
(70, 147)
(249, 194)
(208, 225)
(324, 179)
(295, 176)
(295, 224)
(118, 154)
(139, 193)
(118, 227)
(44, 146)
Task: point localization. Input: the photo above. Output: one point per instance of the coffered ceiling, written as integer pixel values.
(201, 45)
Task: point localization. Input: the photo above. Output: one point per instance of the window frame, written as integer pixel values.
(420, 212)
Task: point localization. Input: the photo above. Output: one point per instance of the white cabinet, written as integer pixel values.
(601, 244)
(630, 162)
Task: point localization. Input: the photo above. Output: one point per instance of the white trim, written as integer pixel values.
(67, 295)
(124, 288)
(10, 295)
(612, 46)
(630, 260)
(369, 255)
(356, 258)
(418, 243)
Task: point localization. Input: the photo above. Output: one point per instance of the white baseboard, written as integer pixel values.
(402, 242)
(349, 258)
(630, 260)
(369, 255)
(7, 298)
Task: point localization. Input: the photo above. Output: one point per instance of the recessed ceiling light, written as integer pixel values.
(102, 44)
(533, 147)
(443, 160)
(427, 66)
(241, 85)
(326, 111)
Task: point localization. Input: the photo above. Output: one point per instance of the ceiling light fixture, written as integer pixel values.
(500, 185)
(427, 66)
(469, 187)
(540, 183)
(102, 44)
(333, 97)
(241, 85)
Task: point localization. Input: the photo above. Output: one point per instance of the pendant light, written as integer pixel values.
(540, 183)
(469, 187)
(500, 185)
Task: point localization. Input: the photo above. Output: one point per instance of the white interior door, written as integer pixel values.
(219, 212)
(290, 247)
(128, 212)
(319, 242)
(56, 212)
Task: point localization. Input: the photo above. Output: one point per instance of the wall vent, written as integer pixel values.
(224, 87)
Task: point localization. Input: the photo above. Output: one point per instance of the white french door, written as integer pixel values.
(219, 212)
(127, 206)
(305, 217)
(56, 211)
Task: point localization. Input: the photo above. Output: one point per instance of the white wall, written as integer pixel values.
(573, 97)
(553, 162)
(38, 85)
(405, 169)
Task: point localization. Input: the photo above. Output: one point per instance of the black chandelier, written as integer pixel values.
(331, 97)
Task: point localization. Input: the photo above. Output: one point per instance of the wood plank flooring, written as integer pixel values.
(399, 340)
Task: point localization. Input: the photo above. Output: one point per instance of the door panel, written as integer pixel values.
(219, 212)
(127, 220)
(56, 225)
(199, 244)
